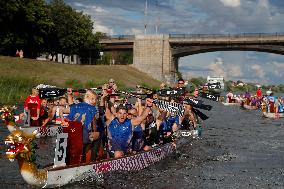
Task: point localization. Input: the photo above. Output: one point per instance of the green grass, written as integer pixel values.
(19, 75)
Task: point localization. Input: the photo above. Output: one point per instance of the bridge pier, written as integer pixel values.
(152, 54)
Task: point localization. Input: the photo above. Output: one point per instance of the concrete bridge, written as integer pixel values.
(158, 55)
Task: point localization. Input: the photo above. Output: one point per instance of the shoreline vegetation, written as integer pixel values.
(19, 75)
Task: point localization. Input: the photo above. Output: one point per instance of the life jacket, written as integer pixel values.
(271, 101)
(280, 108)
(33, 113)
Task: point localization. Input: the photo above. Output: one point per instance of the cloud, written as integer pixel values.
(231, 3)
(98, 27)
(217, 70)
(234, 71)
(278, 69)
(134, 31)
(258, 71)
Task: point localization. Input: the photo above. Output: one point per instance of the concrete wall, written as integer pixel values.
(152, 55)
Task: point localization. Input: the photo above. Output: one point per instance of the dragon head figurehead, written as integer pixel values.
(20, 145)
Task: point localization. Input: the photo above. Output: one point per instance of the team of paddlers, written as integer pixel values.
(114, 126)
(268, 102)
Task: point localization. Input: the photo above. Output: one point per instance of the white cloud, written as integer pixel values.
(231, 3)
(258, 70)
(278, 68)
(134, 31)
(218, 70)
(235, 71)
(98, 27)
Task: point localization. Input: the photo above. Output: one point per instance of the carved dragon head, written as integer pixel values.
(20, 145)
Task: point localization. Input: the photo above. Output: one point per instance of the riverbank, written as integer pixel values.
(19, 75)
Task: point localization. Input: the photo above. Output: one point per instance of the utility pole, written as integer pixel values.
(145, 17)
(157, 17)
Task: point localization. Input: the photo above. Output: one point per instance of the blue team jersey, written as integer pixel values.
(85, 113)
(280, 108)
(119, 135)
(168, 123)
(137, 139)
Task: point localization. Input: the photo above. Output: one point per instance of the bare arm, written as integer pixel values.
(109, 115)
(139, 119)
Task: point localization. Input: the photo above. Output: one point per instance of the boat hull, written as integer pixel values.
(230, 104)
(273, 115)
(64, 175)
(250, 107)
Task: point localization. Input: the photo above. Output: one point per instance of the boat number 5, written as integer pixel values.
(60, 150)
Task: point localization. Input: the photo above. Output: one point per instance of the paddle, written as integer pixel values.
(200, 114)
(55, 92)
(211, 95)
(196, 103)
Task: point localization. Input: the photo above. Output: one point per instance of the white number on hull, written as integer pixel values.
(60, 150)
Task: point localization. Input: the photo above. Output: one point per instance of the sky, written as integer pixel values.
(121, 17)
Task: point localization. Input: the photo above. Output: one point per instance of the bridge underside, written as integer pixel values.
(185, 50)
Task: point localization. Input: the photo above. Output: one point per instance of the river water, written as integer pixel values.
(238, 149)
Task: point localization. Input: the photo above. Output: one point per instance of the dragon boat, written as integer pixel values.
(68, 165)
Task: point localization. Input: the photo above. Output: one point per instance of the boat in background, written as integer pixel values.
(248, 107)
(231, 104)
(23, 124)
(273, 115)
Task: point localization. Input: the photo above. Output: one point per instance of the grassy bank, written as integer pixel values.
(19, 75)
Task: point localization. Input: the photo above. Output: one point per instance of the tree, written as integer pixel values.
(24, 25)
(71, 32)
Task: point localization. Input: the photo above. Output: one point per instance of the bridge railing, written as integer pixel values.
(119, 37)
(225, 35)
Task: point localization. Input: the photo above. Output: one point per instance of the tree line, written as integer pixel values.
(38, 26)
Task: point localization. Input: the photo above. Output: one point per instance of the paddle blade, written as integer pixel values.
(171, 107)
(192, 101)
(200, 114)
(171, 92)
(197, 103)
(51, 92)
(210, 96)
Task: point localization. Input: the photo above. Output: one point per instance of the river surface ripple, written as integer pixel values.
(238, 149)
